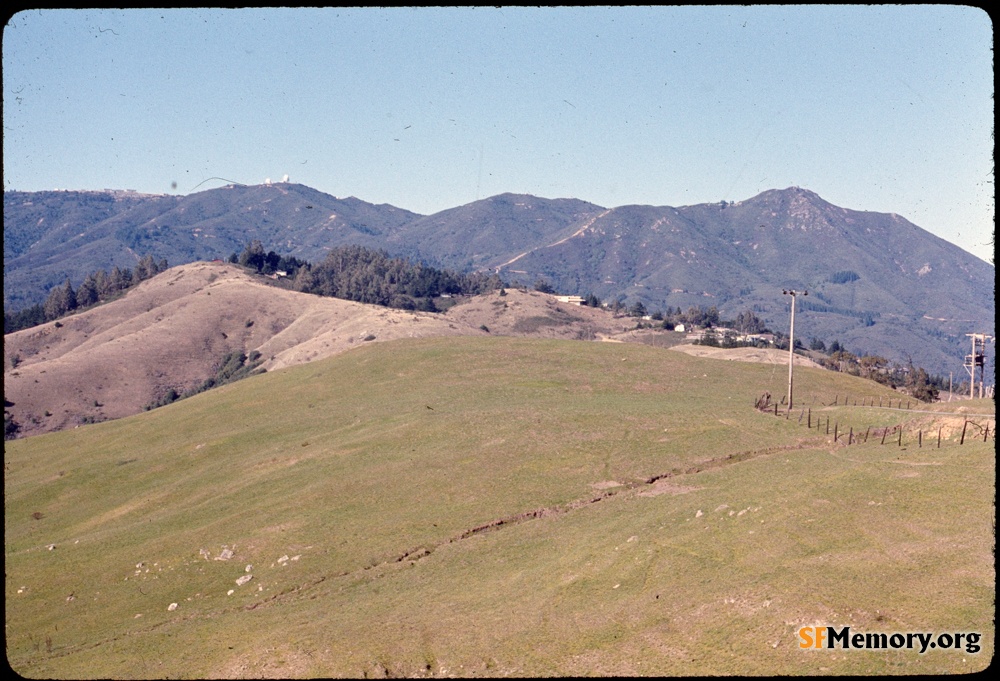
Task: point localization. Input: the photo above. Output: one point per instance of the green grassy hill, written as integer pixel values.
(497, 506)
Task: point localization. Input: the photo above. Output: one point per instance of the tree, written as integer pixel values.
(712, 316)
(748, 322)
(843, 361)
(23, 319)
(118, 281)
(61, 301)
(543, 286)
(271, 261)
(426, 305)
(709, 337)
(919, 385)
(253, 255)
(694, 316)
(102, 283)
(87, 294)
(872, 366)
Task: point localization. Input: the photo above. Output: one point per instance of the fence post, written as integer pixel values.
(866, 434)
(986, 432)
(885, 432)
(939, 437)
(899, 442)
(850, 436)
(920, 438)
(835, 432)
(961, 440)
(827, 425)
(809, 422)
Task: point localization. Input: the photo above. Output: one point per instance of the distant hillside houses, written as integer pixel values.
(696, 334)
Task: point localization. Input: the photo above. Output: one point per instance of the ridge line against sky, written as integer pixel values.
(873, 107)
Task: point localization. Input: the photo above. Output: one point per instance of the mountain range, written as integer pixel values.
(876, 282)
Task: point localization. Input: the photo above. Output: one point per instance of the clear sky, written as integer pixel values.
(881, 108)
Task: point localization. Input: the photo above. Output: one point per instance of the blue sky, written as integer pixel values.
(881, 108)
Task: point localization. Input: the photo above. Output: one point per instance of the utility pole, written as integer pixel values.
(791, 341)
(977, 360)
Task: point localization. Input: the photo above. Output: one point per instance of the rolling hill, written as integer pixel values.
(173, 331)
(878, 284)
(496, 506)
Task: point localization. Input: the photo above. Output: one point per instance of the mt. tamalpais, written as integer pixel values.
(876, 282)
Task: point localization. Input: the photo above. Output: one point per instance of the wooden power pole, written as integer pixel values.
(791, 341)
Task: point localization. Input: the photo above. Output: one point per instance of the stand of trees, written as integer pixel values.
(97, 287)
(916, 381)
(370, 276)
(254, 257)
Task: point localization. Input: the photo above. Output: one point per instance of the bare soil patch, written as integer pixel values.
(664, 486)
(761, 355)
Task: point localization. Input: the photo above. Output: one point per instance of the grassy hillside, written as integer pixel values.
(495, 506)
(172, 332)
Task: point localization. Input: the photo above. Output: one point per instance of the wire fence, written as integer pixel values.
(972, 430)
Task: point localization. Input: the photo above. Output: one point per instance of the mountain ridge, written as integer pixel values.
(878, 283)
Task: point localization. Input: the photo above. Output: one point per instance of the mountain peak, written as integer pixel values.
(788, 193)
